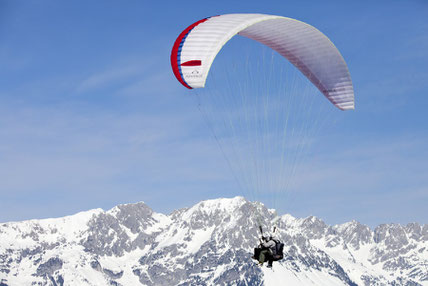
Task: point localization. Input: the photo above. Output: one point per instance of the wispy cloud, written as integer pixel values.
(107, 78)
(368, 180)
(61, 153)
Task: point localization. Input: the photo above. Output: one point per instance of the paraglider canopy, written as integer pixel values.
(303, 45)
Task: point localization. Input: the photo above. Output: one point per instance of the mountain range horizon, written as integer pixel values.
(209, 243)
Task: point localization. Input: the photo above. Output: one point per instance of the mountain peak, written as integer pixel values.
(223, 204)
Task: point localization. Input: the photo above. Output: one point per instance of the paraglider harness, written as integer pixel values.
(279, 248)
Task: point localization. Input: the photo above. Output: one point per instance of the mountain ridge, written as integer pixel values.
(209, 243)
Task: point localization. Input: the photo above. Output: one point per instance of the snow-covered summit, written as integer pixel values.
(209, 243)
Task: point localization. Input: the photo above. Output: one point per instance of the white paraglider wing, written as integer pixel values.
(303, 45)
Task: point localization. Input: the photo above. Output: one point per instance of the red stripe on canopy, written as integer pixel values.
(174, 52)
(193, 63)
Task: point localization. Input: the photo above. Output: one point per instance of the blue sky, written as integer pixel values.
(92, 116)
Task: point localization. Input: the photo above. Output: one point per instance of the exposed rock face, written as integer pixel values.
(207, 244)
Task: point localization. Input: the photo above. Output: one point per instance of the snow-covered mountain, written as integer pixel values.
(208, 244)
